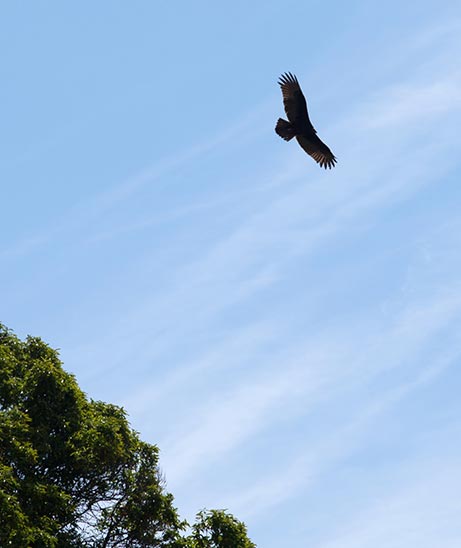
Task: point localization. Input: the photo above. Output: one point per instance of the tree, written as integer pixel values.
(217, 529)
(72, 471)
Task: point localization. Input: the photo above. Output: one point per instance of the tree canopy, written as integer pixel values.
(74, 474)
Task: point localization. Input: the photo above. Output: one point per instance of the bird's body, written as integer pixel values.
(299, 125)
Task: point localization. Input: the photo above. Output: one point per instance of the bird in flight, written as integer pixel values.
(299, 125)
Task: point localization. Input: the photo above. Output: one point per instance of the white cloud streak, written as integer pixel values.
(321, 370)
(424, 512)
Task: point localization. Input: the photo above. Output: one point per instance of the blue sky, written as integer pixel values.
(289, 337)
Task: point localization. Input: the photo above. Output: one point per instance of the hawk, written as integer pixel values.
(299, 125)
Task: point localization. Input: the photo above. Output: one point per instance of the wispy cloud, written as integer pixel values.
(408, 103)
(74, 222)
(320, 371)
(423, 512)
(338, 444)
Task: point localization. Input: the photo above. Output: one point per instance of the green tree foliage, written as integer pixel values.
(74, 474)
(217, 529)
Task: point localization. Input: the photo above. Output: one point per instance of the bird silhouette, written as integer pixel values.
(299, 125)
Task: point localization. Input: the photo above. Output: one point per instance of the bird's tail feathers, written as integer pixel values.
(284, 129)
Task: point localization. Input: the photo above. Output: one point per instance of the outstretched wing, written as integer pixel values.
(318, 150)
(294, 100)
